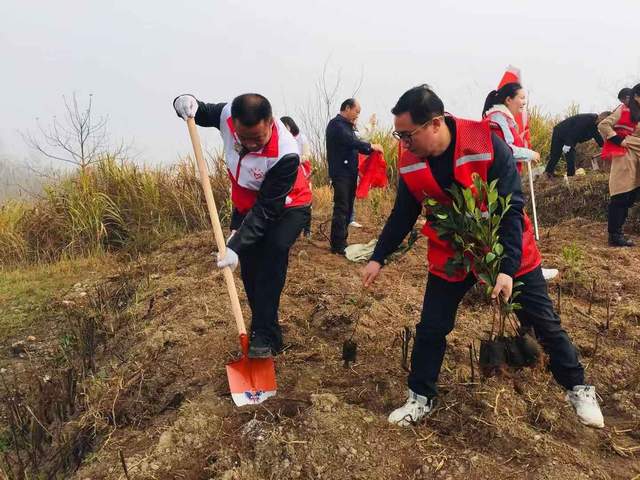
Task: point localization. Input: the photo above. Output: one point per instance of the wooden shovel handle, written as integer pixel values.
(215, 222)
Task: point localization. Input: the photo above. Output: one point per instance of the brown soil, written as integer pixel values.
(162, 399)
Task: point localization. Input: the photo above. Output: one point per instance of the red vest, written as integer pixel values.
(624, 127)
(515, 132)
(248, 172)
(473, 154)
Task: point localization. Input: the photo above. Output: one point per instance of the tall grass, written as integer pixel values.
(12, 241)
(113, 205)
(118, 205)
(541, 128)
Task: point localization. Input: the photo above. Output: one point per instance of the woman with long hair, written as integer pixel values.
(501, 107)
(622, 147)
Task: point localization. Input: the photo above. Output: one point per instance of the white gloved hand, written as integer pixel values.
(230, 260)
(566, 149)
(186, 106)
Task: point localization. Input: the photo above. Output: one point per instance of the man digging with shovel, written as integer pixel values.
(440, 150)
(271, 203)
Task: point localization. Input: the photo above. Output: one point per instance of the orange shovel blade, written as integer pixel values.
(251, 380)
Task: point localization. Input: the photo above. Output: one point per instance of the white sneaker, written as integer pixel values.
(355, 224)
(414, 410)
(549, 273)
(583, 399)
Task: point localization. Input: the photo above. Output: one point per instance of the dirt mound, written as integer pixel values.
(582, 196)
(160, 408)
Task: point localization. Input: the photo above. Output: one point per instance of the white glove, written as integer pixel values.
(566, 149)
(230, 260)
(186, 106)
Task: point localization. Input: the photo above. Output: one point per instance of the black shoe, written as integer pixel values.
(338, 251)
(261, 347)
(619, 240)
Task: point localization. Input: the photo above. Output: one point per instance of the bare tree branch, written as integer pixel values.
(360, 82)
(78, 139)
(322, 106)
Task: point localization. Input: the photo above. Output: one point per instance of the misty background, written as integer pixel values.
(135, 57)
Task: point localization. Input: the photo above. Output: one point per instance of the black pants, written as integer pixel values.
(441, 301)
(264, 271)
(344, 194)
(619, 208)
(307, 228)
(556, 151)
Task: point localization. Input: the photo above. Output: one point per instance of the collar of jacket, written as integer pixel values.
(502, 109)
(342, 119)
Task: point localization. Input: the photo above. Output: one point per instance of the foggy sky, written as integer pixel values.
(136, 56)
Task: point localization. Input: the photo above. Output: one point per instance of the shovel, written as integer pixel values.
(251, 381)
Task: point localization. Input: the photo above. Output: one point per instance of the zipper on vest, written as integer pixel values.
(241, 155)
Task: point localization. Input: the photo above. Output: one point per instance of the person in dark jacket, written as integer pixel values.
(440, 148)
(271, 203)
(343, 146)
(567, 134)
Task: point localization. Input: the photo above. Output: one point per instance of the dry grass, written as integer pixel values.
(114, 205)
(160, 333)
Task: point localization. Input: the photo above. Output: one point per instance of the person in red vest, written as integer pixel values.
(271, 203)
(442, 150)
(501, 107)
(304, 150)
(622, 148)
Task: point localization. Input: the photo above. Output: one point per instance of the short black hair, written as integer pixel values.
(625, 92)
(250, 109)
(421, 102)
(348, 103)
(293, 127)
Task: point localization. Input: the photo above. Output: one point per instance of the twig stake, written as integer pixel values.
(124, 465)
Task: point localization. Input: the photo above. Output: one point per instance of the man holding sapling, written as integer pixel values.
(442, 150)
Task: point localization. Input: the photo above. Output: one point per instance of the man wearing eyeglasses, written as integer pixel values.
(343, 146)
(441, 150)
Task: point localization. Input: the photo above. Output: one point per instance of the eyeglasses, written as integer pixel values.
(407, 136)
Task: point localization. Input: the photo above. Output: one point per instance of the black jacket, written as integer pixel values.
(342, 148)
(578, 128)
(407, 209)
(270, 204)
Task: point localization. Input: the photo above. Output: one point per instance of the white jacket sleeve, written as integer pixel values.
(521, 154)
